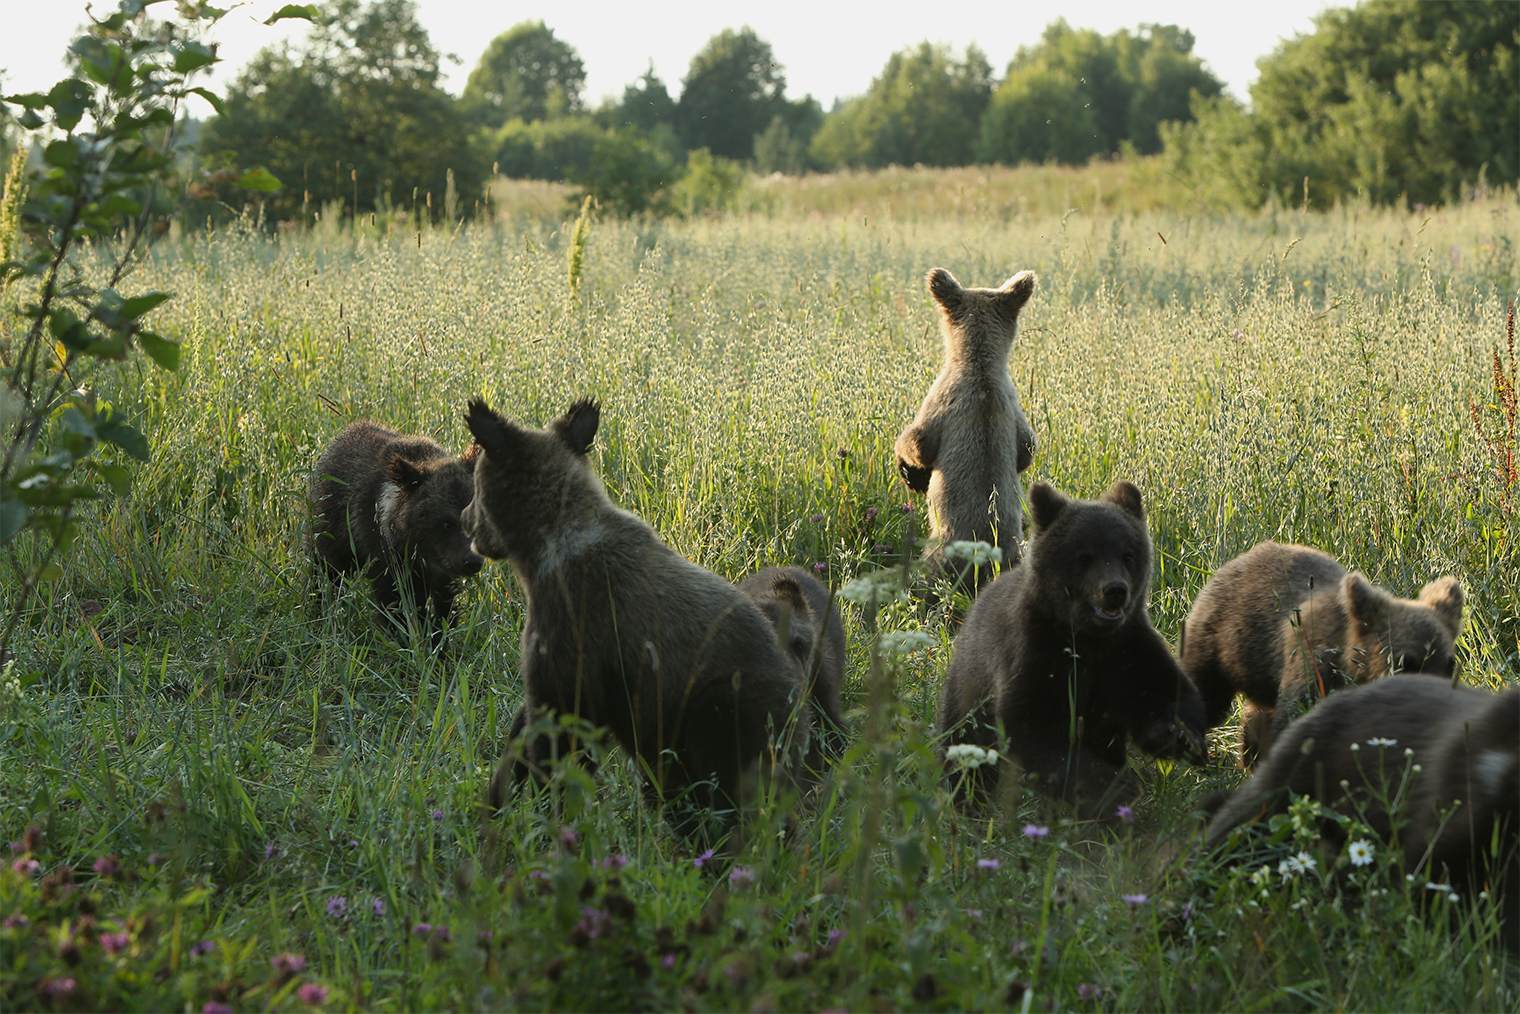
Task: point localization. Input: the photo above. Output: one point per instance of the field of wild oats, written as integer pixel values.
(221, 800)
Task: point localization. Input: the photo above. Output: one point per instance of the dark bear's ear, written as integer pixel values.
(490, 430)
(1045, 504)
(405, 473)
(578, 425)
(786, 589)
(947, 292)
(470, 454)
(1016, 292)
(1126, 496)
(1444, 596)
(1367, 604)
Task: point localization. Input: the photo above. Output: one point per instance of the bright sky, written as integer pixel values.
(827, 48)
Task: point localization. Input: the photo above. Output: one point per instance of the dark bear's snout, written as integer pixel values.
(1115, 595)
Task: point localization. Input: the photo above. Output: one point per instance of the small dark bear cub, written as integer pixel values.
(1285, 625)
(621, 630)
(1349, 754)
(1059, 656)
(811, 632)
(389, 506)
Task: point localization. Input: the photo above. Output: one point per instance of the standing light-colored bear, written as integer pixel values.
(1059, 653)
(1450, 753)
(1285, 625)
(623, 631)
(970, 439)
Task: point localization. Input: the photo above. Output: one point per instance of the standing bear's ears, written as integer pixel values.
(405, 473)
(1015, 292)
(1126, 496)
(947, 292)
(1365, 601)
(1444, 595)
(577, 427)
(492, 432)
(1045, 504)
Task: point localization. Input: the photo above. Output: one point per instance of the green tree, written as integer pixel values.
(525, 73)
(354, 114)
(646, 104)
(1039, 114)
(923, 107)
(731, 92)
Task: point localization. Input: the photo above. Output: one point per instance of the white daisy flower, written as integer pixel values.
(1360, 852)
(904, 642)
(976, 553)
(1382, 741)
(970, 756)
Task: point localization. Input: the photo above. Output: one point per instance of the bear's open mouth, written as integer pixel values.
(1110, 614)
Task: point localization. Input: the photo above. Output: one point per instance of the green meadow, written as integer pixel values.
(239, 799)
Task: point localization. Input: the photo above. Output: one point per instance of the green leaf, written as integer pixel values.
(30, 120)
(193, 57)
(117, 204)
(211, 97)
(305, 12)
(139, 305)
(116, 476)
(52, 571)
(69, 99)
(61, 153)
(67, 328)
(125, 436)
(163, 351)
(13, 515)
(29, 100)
(259, 179)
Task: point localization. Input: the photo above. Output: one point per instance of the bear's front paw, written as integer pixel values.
(1025, 455)
(916, 478)
(1172, 739)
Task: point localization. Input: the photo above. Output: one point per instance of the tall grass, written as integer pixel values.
(1285, 375)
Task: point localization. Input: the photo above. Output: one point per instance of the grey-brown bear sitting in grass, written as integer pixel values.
(1463, 807)
(389, 505)
(812, 633)
(621, 630)
(1285, 624)
(970, 439)
(1059, 653)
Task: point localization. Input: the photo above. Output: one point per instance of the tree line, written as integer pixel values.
(1392, 100)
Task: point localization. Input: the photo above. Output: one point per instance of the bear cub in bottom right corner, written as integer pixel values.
(1060, 653)
(1460, 777)
(1285, 624)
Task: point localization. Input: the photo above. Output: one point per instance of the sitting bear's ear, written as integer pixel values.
(470, 454)
(1045, 504)
(1126, 496)
(491, 431)
(946, 290)
(1016, 292)
(578, 425)
(404, 473)
(1444, 595)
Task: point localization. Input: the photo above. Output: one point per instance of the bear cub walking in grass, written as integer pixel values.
(621, 630)
(1349, 754)
(811, 632)
(1285, 624)
(970, 439)
(1060, 653)
(389, 506)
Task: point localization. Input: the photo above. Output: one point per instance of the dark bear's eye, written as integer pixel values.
(1085, 559)
(1129, 559)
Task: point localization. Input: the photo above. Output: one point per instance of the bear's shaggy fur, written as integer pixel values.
(811, 631)
(624, 632)
(970, 439)
(1349, 754)
(1060, 654)
(389, 505)
(1285, 624)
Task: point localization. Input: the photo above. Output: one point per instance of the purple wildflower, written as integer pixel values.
(538, 874)
(377, 905)
(668, 961)
(615, 862)
(201, 949)
(568, 836)
(60, 986)
(1035, 831)
(974, 913)
(437, 814)
(1089, 990)
(704, 857)
(337, 905)
(835, 935)
(988, 864)
(213, 1007)
(114, 943)
(816, 519)
(1134, 899)
(594, 923)
(18, 846)
(1125, 814)
(155, 859)
(288, 962)
(820, 567)
(422, 929)
(25, 867)
(739, 876)
(907, 508)
(271, 850)
(871, 513)
(312, 994)
(108, 866)
(353, 843)
(16, 921)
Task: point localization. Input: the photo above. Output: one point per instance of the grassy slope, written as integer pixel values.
(1286, 375)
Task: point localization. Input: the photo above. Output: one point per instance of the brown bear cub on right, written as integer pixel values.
(389, 506)
(1060, 653)
(811, 631)
(1285, 625)
(624, 632)
(971, 439)
(1349, 753)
